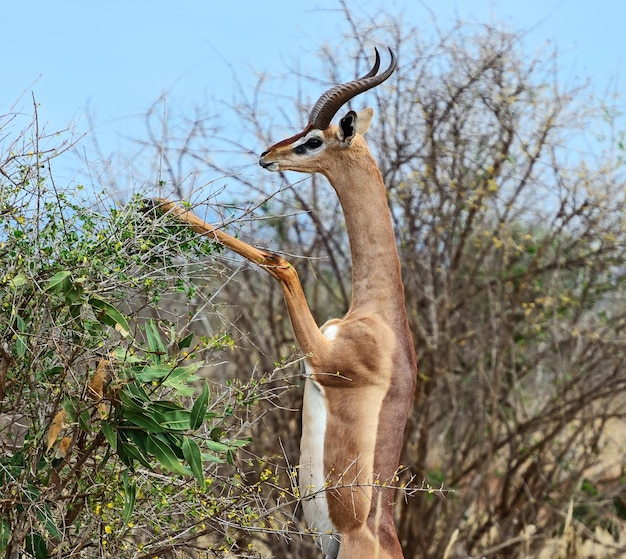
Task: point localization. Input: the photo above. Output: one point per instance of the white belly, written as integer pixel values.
(312, 480)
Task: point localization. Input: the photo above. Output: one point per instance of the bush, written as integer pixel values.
(111, 441)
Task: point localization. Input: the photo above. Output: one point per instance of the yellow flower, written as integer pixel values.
(108, 529)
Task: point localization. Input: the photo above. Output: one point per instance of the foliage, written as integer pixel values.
(109, 436)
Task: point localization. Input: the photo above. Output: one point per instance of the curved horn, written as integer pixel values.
(330, 102)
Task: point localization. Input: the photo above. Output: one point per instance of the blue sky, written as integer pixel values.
(114, 58)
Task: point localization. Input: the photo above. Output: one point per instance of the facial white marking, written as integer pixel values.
(311, 143)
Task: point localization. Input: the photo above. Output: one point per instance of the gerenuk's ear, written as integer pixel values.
(363, 120)
(354, 123)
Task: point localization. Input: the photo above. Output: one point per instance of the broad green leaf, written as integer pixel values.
(216, 446)
(193, 456)
(139, 439)
(109, 433)
(181, 379)
(130, 402)
(217, 433)
(45, 516)
(175, 441)
(159, 448)
(138, 392)
(35, 546)
(5, 533)
(185, 342)
(153, 372)
(165, 406)
(109, 315)
(70, 404)
(144, 420)
(125, 456)
(122, 355)
(199, 409)
(130, 496)
(239, 443)
(212, 458)
(52, 372)
(18, 280)
(74, 294)
(177, 420)
(157, 347)
(181, 389)
(57, 281)
(84, 421)
(128, 452)
(21, 345)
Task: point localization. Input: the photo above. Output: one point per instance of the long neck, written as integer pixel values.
(376, 279)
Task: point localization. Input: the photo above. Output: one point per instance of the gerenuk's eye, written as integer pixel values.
(313, 143)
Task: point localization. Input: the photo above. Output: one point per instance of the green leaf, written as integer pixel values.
(185, 342)
(177, 420)
(5, 533)
(175, 442)
(122, 355)
(18, 280)
(212, 458)
(109, 315)
(153, 372)
(139, 439)
(143, 420)
(45, 516)
(35, 545)
(199, 409)
(75, 311)
(165, 406)
(84, 421)
(130, 402)
(138, 392)
(180, 379)
(217, 433)
(192, 454)
(157, 347)
(74, 294)
(159, 448)
(130, 496)
(129, 452)
(109, 433)
(21, 345)
(57, 281)
(216, 446)
(52, 372)
(240, 443)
